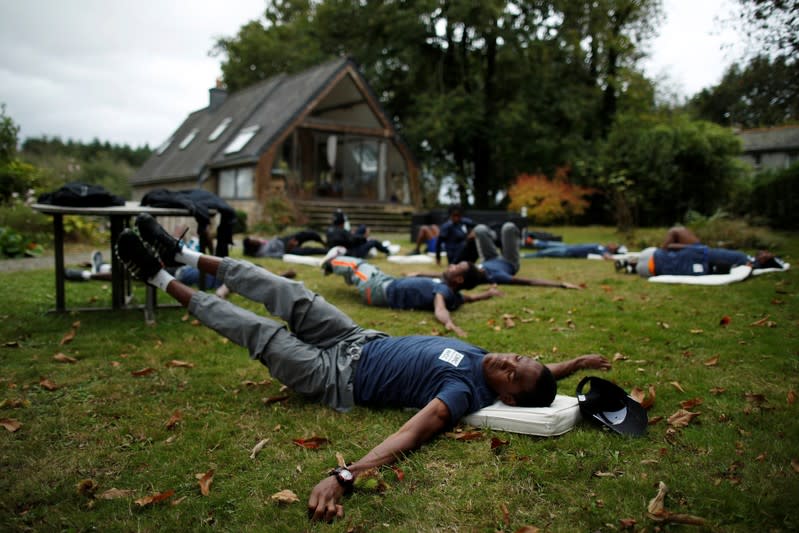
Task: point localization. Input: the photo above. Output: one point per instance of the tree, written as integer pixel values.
(773, 24)
(16, 176)
(763, 93)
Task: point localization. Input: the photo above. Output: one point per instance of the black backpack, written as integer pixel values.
(77, 194)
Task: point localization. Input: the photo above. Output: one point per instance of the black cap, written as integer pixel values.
(339, 217)
(607, 404)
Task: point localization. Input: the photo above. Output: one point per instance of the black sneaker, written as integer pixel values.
(139, 258)
(152, 233)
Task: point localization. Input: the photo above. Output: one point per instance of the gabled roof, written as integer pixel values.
(779, 139)
(273, 105)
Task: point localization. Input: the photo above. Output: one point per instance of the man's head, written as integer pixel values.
(519, 380)
(339, 218)
(455, 213)
(463, 275)
(766, 259)
(251, 245)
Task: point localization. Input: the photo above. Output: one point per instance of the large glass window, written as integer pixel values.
(236, 183)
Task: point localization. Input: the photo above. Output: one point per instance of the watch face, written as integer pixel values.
(345, 475)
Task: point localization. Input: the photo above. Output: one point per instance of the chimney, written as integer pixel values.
(216, 95)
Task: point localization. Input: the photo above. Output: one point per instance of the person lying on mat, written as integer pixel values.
(501, 269)
(697, 260)
(579, 251)
(357, 241)
(329, 359)
(424, 294)
(288, 244)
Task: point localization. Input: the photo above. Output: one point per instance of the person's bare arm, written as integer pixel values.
(485, 295)
(584, 362)
(324, 502)
(442, 315)
(423, 274)
(542, 283)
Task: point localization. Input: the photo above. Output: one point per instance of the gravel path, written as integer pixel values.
(44, 262)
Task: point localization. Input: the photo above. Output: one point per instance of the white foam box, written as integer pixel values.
(557, 419)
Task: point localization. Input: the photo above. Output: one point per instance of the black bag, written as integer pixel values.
(77, 194)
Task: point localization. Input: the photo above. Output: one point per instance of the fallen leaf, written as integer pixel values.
(676, 385)
(791, 397)
(649, 401)
(174, 419)
(713, 361)
(398, 472)
(682, 418)
(717, 390)
(250, 383)
(275, 399)
(174, 363)
(664, 325)
(606, 288)
(142, 372)
(76, 324)
(697, 331)
(12, 344)
(599, 473)
(116, 364)
(724, 320)
(619, 357)
(205, 480)
(654, 420)
(154, 498)
(756, 398)
(795, 465)
(258, 447)
(47, 384)
(285, 497)
(14, 403)
(657, 505)
(508, 320)
(498, 443)
(86, 487)
(195, 322)
(311, 443)
(690, 404)
(762, 322)
(10, 424)
(627, 523)
(62, 358)
(113, 494)
(67, 338)
(465, 435)
(178, 501)
(527, 529)
(505, 514)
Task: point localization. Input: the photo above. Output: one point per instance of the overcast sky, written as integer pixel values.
(130, 71)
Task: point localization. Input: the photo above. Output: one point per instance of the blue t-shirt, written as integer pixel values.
(419, 293)
(498, 270)
(452, 238)
(689, 261)
(411, 371)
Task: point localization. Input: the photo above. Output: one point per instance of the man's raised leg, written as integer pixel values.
(484, 238)
(511, 241)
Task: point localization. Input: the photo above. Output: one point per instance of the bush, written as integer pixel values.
(548, 201)
(722, 231)
(14, 244)
(775, 197)
(240, 226)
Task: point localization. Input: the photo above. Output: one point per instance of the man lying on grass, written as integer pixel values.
(424, 294)
(501, 268)
(328, 358)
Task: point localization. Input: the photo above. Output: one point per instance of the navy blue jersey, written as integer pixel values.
(411, 371)
(419, 293)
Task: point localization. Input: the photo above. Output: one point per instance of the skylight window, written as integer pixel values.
(161, 149)
(243, 137)
(187, 140)
(219, 129)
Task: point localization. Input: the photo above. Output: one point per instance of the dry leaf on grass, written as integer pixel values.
(682, 418)
(114, 494)
(311, 443)
(498, 443)
(67, 338)
(690, 404)
(285, 497)
(795, 465)
(175, 363)
(10, 424)
(465, 435)
(258, 447)
(63, 358)
(47, 384)
(717, 390)
(154, 498)
(86, 487)
(176, 417)
(14, 403)
(275, 399)
(713, 361)
(142, 372)
(205, 480)
(724, 320)
(527, 529)
(791, 398)
(676, 385)
(619, 357)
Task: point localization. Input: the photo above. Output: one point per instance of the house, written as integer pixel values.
(770, 148)
(313, 141)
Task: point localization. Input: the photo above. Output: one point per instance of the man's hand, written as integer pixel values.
(493, 291)
(593, 361)
(452, 327)
(323, 504)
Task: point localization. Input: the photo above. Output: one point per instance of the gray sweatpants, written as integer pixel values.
(510, 239)
(316, 356)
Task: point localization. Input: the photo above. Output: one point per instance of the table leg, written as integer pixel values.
(58, 244)
(118, 274)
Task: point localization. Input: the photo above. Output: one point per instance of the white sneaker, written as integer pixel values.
(331, 254)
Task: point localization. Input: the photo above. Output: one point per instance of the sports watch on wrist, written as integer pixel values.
(344, 477)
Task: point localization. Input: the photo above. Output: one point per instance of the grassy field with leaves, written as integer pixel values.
(111, 424)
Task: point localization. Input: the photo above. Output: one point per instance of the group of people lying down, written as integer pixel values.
(320, 353)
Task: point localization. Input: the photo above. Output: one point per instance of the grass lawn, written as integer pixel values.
(95, 424)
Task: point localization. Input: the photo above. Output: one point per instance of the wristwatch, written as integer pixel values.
(344, 477)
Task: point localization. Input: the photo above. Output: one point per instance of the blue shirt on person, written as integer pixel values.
(419, 293)
(498, 270)
(411, 371)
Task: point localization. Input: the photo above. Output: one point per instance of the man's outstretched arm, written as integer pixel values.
(491, 292)
(442, 315)
(584, 362)
(325, 500)
(542, 283)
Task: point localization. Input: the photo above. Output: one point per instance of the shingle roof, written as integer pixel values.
(271, 104)
(770, 139)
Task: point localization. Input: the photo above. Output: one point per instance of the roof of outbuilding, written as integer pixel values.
(770, 139)
(272, 104)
